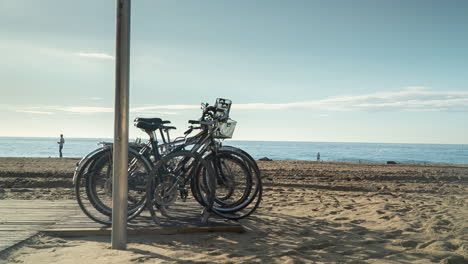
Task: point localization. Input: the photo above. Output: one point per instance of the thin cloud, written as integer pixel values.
(154, 112)
(145, 110)
(165, 107)
(93, 98)
(34, 112)
(409, 99)
(95, 55)
(86, 109)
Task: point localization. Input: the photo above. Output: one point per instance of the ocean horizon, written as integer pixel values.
(276, 150)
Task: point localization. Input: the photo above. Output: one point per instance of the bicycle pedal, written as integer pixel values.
(154, 216)
(156, 219)
(183, 194)
(163, 211)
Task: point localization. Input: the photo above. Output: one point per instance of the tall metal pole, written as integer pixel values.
(120, 155)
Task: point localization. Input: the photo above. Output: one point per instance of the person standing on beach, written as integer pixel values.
(318, 156)
(61, 142)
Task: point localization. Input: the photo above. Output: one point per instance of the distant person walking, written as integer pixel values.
(61, 142)
(318, 156)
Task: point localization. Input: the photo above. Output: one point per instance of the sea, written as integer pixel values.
(276, 150)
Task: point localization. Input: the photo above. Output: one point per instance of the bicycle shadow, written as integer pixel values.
(278, 238)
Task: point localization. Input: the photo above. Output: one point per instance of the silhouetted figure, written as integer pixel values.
(318, 156)
(61, 142)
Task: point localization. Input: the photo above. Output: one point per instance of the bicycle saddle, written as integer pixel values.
(152, 120)
(150, 124)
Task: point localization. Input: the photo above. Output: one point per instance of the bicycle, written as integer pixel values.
(203, 143)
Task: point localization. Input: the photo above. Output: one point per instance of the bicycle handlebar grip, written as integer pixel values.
(188, 131)
(194, 121)
(208, 122)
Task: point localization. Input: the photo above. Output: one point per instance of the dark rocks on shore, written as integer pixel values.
(391, 162)
(265, 159)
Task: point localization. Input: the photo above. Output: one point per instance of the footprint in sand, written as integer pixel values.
(435, 245)
(440, 226)
(387, 217)
(408, 243)
(215, 252)
(341, 218)
(357, 221)
(402, 210)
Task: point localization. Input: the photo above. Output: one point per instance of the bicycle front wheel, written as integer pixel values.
(98, 183)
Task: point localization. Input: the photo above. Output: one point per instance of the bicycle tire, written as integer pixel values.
(82, 194)
(224, 174)
(243, 210)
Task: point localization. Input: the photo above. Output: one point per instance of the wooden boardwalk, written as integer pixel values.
(22, 219)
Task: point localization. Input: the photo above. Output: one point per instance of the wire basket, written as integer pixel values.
(225, 129)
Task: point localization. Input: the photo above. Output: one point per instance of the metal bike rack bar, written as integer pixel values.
(120, 152)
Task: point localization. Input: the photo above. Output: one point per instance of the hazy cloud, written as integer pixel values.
(86, 109)
(143, 110)
(34, 112)
(95, 55)
(164, 107)
(408, 99)
(155, 113)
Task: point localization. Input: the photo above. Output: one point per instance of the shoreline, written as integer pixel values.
(76, 159)
(256, 140)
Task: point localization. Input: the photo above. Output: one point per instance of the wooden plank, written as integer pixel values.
(23, 222)
(39, 206)
(80, 232)
(14, 228)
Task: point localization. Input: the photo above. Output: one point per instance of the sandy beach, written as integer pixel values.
(312, 212)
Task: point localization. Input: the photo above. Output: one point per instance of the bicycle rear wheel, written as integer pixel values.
(93, 185)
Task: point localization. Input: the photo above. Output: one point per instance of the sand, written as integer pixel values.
(312, 212)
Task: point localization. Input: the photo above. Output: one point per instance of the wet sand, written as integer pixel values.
(312, 212)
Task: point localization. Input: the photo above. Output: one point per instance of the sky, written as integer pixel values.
(321, 71)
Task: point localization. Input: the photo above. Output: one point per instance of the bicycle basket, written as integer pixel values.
(225, 129)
